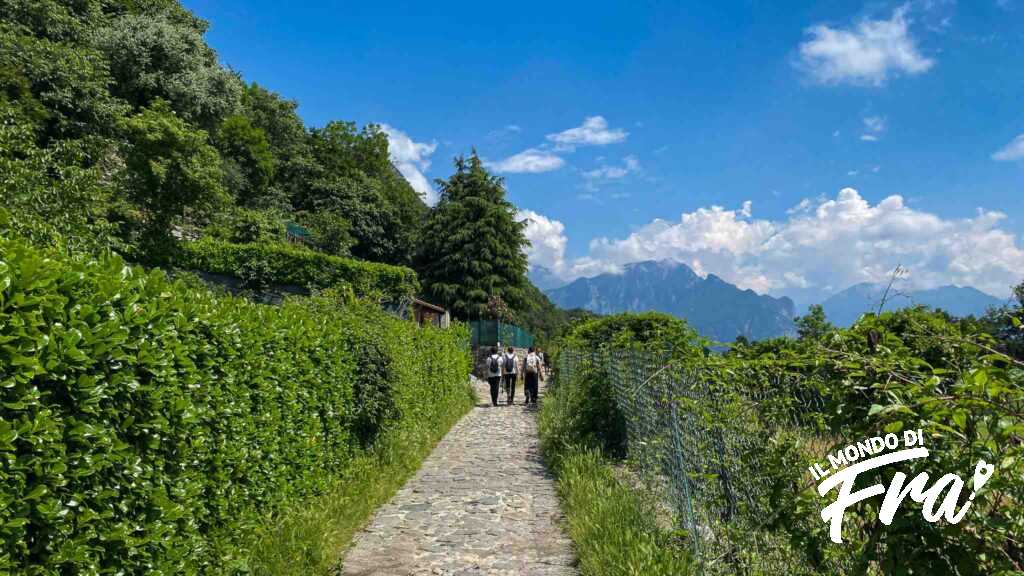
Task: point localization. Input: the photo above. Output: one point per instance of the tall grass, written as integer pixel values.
(612, 525)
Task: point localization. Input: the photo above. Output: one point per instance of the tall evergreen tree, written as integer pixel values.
(472, 247)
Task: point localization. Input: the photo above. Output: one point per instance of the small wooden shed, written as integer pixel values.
(427, 313)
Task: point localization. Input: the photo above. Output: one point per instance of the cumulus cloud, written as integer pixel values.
(867, 54)
(1012, 151)
(412, 159)
(530, 160)
(824, 244)
(593, 132)
(547, 240)
(547, 248)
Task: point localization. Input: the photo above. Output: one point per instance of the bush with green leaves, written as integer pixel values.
(147, 427)
(286, 264)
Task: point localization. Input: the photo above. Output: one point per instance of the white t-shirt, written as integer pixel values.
(501, 359)
(508, 355)
(533, 362)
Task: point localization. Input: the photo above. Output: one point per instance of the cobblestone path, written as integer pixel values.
(482, 503)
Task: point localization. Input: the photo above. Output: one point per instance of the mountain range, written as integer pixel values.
(714, 307)
(843, 308)
(722, 311)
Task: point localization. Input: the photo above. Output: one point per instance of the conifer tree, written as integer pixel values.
(472, 247)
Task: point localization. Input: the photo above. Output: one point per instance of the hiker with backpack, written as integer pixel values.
(509, 370)
(534, 367)
(494, 362)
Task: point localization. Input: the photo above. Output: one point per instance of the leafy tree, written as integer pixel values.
(814, 325)
(352, 175)
(155, 56)
(62, 88)
(289, 142)
(171, 167)
(248, 162)
(359, 200)
(331, 232)
(472, 245)
(54, 198)
(343, 150)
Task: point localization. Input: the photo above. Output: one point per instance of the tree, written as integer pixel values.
(248, 162)
(814, 325)
(161, 56)
(53, 197)
(294, 166)
(171, 167)
(352, 175)
(472, 247)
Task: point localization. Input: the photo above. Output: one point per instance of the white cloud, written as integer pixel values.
(867, 54)
(504, 132)
(412, 159)
(874, 126)
(547, 240)
(824, 244)
(1012, 151)
(530, 160)
(606, 172)
(593, 132)
(547, 248)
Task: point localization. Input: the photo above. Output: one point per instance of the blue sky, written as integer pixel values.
(837, 139)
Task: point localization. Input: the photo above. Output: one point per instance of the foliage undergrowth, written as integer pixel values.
(583, 436)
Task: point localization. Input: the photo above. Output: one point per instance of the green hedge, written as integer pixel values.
(267, 263)
(151, 428)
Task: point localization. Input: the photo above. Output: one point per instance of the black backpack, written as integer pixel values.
(493, 365)
(510, 363)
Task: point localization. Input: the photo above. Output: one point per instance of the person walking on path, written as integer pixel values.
(533, 367)
(510, 371)
(494, 362)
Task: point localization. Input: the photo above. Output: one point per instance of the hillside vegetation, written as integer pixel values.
(151, 424)
(698, 460)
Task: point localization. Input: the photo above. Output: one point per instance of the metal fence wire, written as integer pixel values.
(493, 332)
(702, 438)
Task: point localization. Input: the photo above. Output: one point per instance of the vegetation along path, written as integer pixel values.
(482, 503)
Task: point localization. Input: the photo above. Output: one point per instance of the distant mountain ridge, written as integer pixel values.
(715, 308)
(544, 278)
(843, 308)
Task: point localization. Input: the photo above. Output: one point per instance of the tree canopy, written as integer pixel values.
(472, 247)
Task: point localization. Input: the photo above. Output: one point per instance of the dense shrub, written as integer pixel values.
(284, 264)
(652, 330)
(591, 414)
(148, 428)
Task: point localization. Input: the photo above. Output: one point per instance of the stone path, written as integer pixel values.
(482, 503)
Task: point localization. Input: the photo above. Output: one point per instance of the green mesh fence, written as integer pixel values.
(719, 444)
(493, 332)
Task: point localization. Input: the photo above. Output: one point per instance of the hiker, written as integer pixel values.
(534, 367)
(494, 362)
(508, 369)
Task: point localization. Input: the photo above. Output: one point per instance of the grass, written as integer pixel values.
(612, 526)
(312, 539)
